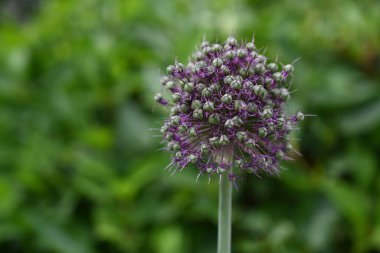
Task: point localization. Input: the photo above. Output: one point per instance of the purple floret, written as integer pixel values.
(227, 110)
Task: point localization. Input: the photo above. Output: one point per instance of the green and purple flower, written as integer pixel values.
(227, 110)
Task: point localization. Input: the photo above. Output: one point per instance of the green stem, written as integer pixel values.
(224, 220)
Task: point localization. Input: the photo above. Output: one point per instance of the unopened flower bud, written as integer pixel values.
(159, 99)
(277, 76)
(271, 136)
(250, 170)
(259, 68)
(270, 126)
(192, 158)
(198, 55)
(186, 96)
(236, 85)
(267, 113)
(204, 148)
(214, 119)
(170, 69)
(238, 162)
(280, 154)
(280, 121)
(227, 98)
(207, 49)
(173, 146)
(217, 62)
(268, 81)
(215, 87)
(228, 79)
(214, 141)
(169, 84)
(241, 136)
(208, 106)
(210, 69)
(225, 69)
(288, 126)
(164, 80)
(271, 103)
(284, 94)
(276, 92)
(201, 64)
(251, 107)
(239, 78)
(198, 114)
(182, 129)
(240, 105)
(262, 132)
(250, 46)
(237, 121)
(176, 97)
(164, 128)
(184, 108)
(288, 68)
(179, 66)
(196, 104)
(181, 83)
(229, 123)
(176, 120)
(169, 135)
(230, 54)
(243, 72)
(248, 85)
(231, 41)
(261, 59)
(204, 44)
(272, 67)
(175, 110)
(250, 143)
(220, 170)
(260, 91)
(206, 92)
(300, 116)
(189, 87)
(192, 132)
(242, 53)
(216, 47)
(200, 86)
(223, 140)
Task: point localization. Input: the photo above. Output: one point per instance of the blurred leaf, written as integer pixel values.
(53, 237)
(362, 119)
(133, 128)
(352, 203)
(319, 233)
(169, 240)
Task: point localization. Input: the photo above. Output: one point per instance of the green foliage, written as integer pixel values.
(80, 172)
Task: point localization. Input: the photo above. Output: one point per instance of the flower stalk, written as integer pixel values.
(224, 219)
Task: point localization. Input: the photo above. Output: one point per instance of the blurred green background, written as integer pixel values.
(80, 172)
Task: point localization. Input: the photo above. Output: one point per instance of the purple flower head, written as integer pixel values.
(227, 110)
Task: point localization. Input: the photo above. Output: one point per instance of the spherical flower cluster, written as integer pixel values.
(227, 110)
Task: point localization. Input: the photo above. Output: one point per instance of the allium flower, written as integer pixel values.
(227, 110)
